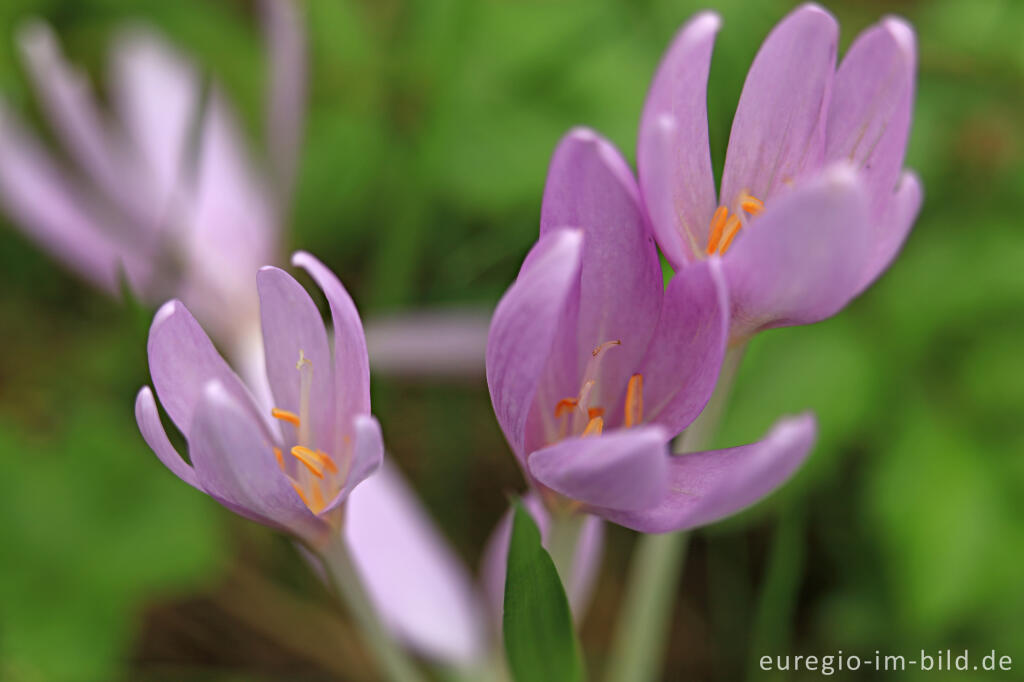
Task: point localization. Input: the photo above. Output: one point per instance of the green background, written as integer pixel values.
(431, 124)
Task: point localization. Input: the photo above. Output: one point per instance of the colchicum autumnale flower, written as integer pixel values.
(291, 466)
(814, 204)
(157, 192)
(593, 366)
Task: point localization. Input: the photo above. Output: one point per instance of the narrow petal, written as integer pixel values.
(778, 132)
(439, 342)
(54, 211)
(682, 364)
(231, 214)
(367, 455)
(71, 107)
(153, 432)
(351, 364)
(293, 328)
(284, 27)
(523, 329)
(801, 260)
(623, 469)
(182, 360)
(673, 153)
(587, 563)
(422, 591)
(590, 187)
(235, 463)
(156, 93)
(708, 486)
(872, 100)
(890, 230)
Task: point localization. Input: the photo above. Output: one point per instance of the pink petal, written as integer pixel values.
(153, 432)
(890, 230)
(708, 486)
(673, 153)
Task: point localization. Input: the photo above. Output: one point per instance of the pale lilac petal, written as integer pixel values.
(438, 342)
(890, 230)
(284, 26)
(590, 187)
(231, 214)
(52, 210)
(673, 155)
(367, 455)
(872, 100)
(156, 93)
(523, 329)
(422, 591)
(586, 565)
(621, 469)
(292, 327)
(708, 486)
(351, 364)
(70, 106)
(235, 463)
(182, 360)
(801, 260)
(778, 132)
(681, 367)
(153, 433)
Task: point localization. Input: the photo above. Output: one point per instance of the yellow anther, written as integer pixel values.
(285, 416)
(607, 344)
(732, 226)
(594, 427)
(325, 461)
(717, 225)
(302, 495)
(751, 205)
(280, 458)
(565, 406)
(318, 499)
(595, 412)
(310, 459)
(634, 400)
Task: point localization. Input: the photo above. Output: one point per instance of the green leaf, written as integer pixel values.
(539, 638)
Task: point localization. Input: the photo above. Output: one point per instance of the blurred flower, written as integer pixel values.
(161, 190)
(429, 343)
(593, 366)
(293, 471)
(795, 247)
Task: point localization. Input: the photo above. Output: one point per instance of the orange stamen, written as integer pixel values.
(325, 461)
(635, 400)
(318, 499)
(751, 205)
(717, 224)
(280, 458)
(302, 495)
(309, 458)
(565, 406)
(595, 412)
(285, 416)
(594, 427)
(732, 227)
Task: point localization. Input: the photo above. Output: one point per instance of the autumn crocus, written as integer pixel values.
(292, 466)
(814, 203)
(593, 366)
(160, 187)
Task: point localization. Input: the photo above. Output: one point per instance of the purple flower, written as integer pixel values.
(814, 204)
(161, 189)
(289, 467)
(593, 365)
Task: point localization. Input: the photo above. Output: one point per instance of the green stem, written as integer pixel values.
(639, 645)
(345, 578)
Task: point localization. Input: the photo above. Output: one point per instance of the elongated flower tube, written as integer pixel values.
(814, 203)
(162, 186)
(593, 366)
(294, 465)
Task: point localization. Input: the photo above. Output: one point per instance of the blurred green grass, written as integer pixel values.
(430, 128)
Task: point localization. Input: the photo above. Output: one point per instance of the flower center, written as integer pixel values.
(579, 418)
(725, 227)
(312, 472)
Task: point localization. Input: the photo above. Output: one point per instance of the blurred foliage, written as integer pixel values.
(430, 127)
